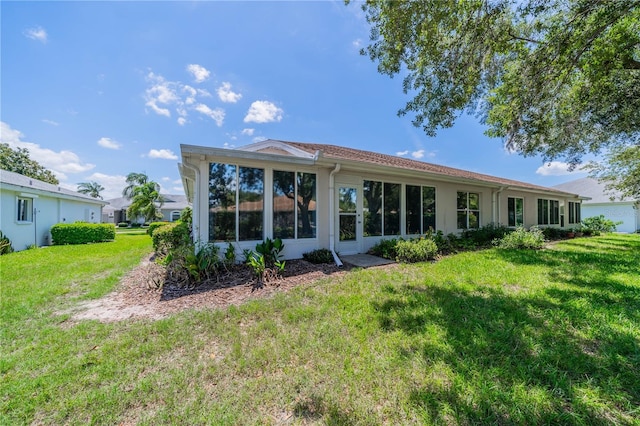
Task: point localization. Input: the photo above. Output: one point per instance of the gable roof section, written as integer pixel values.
(592, 188)
(18, 182)
(368, 157)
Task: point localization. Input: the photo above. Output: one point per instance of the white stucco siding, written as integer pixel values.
(619, 212)
(21, 234)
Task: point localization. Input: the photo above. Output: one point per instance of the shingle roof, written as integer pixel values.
(343, 153)
(171, 202)
(28, 183)
(590, 188)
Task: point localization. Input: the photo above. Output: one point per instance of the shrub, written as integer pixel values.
(186, 216)
(522, 239)
(385, 248)
(483, 236)
(170, 237)
(123, 225)
(155, 225)
(136, 225)
(82, 233)
(598, 224)
(419, 250)
(266, 259)
(319, 256)
(5, 244)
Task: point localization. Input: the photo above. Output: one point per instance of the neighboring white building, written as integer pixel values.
(625, 210)
(325, 196)
(171, 208)
(30, 207)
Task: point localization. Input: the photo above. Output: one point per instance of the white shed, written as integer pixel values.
(30, 207)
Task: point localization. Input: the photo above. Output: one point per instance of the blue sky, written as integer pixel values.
(96, 90)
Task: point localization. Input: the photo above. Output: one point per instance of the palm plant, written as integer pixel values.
(146, 201)
(92, 189)
(134, 180)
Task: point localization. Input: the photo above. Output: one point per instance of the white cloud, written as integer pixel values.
(263, 112)
(248, 132)
(199, 72)
(216, 115)
(113, 184)
(165, 97)
(357, 43)
(36, 33)
(53, 123)
(165, 154)
(109, 143)
(418, 154)
(59, 162)
(402, 153)
(259, 139)
(226, 94)
(556, 168)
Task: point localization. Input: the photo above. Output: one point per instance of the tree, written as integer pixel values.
(557, 78)
(17, 160)
(134, 180)
(145, 197)
(620, 171)
(91, 189)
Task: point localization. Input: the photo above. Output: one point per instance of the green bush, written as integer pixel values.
(420, 250)
(155, 225)
(170, 237)
(522, 239)
(319, 256)
(5, 244)
(123, 225)
(385, 248)
(482, 236)
(82, 233)
(597, 224)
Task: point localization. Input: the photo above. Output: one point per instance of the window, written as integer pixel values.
(515, 208)
(420, 209)
(236, 203)
(574, 212)
(548, 212)
(175, 216)
(391, 208)
(294, 205)
(25, 210)
(468, 206)
(372, 203)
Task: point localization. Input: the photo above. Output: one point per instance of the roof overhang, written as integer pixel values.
(27, 191)
(215, 154)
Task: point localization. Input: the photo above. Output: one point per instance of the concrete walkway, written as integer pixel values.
(365, 260)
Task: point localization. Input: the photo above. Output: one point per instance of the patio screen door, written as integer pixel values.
(349, 219)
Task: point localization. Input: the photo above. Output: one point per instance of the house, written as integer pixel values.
(607, 203)
(324, 196)
(30, 207)
(116, 211)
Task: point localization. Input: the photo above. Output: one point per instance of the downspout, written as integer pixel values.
(196, 202)
(496, 205)
(332, 216)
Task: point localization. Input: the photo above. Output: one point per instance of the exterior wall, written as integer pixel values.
(47, 211)
(617, 212)
(493, 205)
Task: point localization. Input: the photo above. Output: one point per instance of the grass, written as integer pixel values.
(496, 336)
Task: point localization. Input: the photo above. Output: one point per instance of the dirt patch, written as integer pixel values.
(146, 293)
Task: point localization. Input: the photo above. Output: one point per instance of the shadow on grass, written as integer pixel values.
(555, 356)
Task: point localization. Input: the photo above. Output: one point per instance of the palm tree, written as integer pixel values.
(92, 189)
(134, 180)
(146, 201)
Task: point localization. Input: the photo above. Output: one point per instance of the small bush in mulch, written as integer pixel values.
(319, 256)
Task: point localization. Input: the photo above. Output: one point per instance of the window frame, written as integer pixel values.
(421, 214)
(467, 210)
(296, 227)
(515, 211)
(548, 211)
(24, 208)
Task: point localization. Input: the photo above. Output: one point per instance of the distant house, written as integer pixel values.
(116, 211)
(601, 203)
(30, 207)
(346, 200)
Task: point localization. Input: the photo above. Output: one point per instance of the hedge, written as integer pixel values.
(170, 236)
(155, 225)
(82, 233)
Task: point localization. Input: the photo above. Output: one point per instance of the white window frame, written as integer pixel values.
(515, 216)
(467, 210)
(24, 208)
(171, 219)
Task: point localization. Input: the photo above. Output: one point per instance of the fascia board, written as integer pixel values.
(206, 153)
(41, 192)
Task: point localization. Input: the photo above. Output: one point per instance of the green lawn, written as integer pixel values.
(490, 337)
